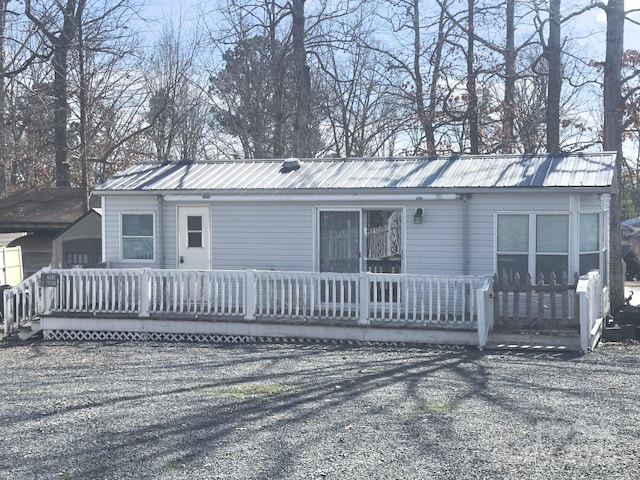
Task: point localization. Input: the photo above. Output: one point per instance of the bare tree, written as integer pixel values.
(19, 49)
(472, 94)
(58, 25)
(417, 53)
(176, 111)
(363, 112)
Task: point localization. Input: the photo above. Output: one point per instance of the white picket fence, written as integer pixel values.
(430, 301)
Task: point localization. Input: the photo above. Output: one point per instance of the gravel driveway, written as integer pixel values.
(302, 411)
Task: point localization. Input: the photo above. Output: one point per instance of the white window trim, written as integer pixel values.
(120, 237)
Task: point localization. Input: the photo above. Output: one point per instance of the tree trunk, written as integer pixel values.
(3, 129)
(554, 61)
(303, 80)
(278, 67)
(61, 44)
(509, 79)
(424, 118)
(472, 104)
(60, 116)
(83, 120)
(612, 139)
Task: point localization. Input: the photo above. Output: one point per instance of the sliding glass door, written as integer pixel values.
(341, 234)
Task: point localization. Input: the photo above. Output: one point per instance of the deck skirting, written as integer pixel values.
(230, 331)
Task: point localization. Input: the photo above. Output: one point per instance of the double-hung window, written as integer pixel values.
(137, 236)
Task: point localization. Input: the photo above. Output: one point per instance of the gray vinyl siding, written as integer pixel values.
(280, 235)
(113, 208)
(482, 210)
(276, 236)
(170, 235)
(434, 247)
(590, 203)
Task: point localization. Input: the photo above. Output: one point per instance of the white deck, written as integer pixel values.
(250, 305)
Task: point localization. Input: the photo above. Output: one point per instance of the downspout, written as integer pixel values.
(161, 231)
(465, 234)
(103, 222)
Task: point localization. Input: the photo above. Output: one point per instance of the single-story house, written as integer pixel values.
(461, 215)
(420, 249)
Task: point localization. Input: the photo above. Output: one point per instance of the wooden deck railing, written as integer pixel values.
(519, 303)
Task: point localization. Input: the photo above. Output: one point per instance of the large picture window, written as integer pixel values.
(137, 236)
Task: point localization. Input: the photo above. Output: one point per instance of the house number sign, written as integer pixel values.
(49, 280)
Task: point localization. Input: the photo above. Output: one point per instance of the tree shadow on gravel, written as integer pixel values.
(283, 411)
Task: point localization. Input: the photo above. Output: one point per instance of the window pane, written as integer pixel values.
(384, 241)
(513, 233)
(194, 223)
(546, 264)
(137, 248)
(137, 225)
(588, 262)
(552, 233)
(194, 240)
(589, 232)
(509, 265)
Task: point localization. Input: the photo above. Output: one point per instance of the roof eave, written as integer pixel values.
(394, 191)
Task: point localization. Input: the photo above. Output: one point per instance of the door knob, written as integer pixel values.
(181, 259)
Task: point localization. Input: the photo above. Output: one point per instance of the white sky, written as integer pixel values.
(632, 31)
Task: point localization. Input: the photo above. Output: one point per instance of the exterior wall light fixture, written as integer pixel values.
(417, 218)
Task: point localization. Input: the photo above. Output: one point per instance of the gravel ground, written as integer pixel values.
(188, 411)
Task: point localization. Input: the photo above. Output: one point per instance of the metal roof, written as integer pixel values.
(594, 170)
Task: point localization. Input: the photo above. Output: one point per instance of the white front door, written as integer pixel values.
(194, 233)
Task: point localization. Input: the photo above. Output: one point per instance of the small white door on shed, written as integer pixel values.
(194, 238)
